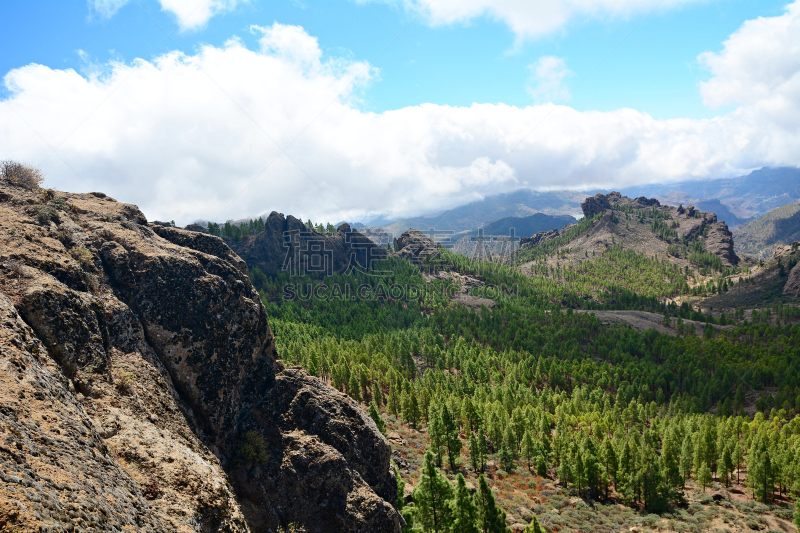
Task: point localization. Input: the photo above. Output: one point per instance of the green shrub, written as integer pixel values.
(45, 214)
(252, 450)
(83, 256)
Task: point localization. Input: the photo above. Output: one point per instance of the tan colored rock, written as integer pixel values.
(146, 361)
(792, 287)
(785, 250)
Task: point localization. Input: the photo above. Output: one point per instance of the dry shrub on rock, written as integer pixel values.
(20, 174)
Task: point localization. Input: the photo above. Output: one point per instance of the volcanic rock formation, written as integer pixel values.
(140, 388)
(288, 245)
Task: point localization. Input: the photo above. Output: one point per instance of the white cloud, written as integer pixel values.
(188, 137)
(759, 64)
(547, 80)
(106, 8)
(189, 14)
(530, 18)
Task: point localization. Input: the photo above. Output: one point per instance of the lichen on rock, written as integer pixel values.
(134, 361)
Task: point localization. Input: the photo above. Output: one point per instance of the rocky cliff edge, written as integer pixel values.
(140, 388)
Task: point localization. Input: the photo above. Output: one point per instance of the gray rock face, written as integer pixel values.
(287, 245)
(330, 448)
(146, 349)
(49, 447)
(792, 287)
(719, 241)
(602, 202)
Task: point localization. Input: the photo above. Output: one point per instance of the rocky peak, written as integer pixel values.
(288, 245)
(599, 203)
(647, 226)
(146, 358)
(415, 246)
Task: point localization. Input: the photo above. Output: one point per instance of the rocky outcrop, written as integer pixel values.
(787, 253)
(785, 250)
(542, 236)
(596, 204)
(415, 246)
(688, 224)
(137, 367)
(324, 450)
(599, 203)
(792, 287)
(288, 245)
(719, 241)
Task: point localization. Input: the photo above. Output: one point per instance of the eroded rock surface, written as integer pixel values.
(288, 245)
(415, 246)
(137, 365)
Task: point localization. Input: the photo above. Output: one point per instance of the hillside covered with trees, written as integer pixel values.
(526, 416)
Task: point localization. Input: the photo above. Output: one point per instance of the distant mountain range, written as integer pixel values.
(520, 203)
(496, 234)
(733, 200)
(526, 226)
(746, 196)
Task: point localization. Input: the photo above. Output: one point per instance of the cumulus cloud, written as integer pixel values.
(531, 18)
(189, 14)
(232, 131)
(547, 80)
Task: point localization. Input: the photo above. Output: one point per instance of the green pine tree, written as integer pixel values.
(507, 458)
(376, 417)
(353, 388)
(436, 433)
(432, 497)
(452, 442)
(463, 509)
(687, 455)
(400, 501)
(534, 527)
(609, 458)
(484, 452)
(413, 413)
(796, 516)
(491, 519)
(704, 475)
(527, 450)
(474, 453)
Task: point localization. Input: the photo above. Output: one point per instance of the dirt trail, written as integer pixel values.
(642, 320)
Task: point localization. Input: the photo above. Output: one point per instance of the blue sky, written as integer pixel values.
(345, 110)
(646, 62)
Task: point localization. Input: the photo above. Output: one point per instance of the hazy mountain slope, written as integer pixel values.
(746, 196)
(724, 214)
(527, 226)
(758, 238)
(493, 238)
(521, 203)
